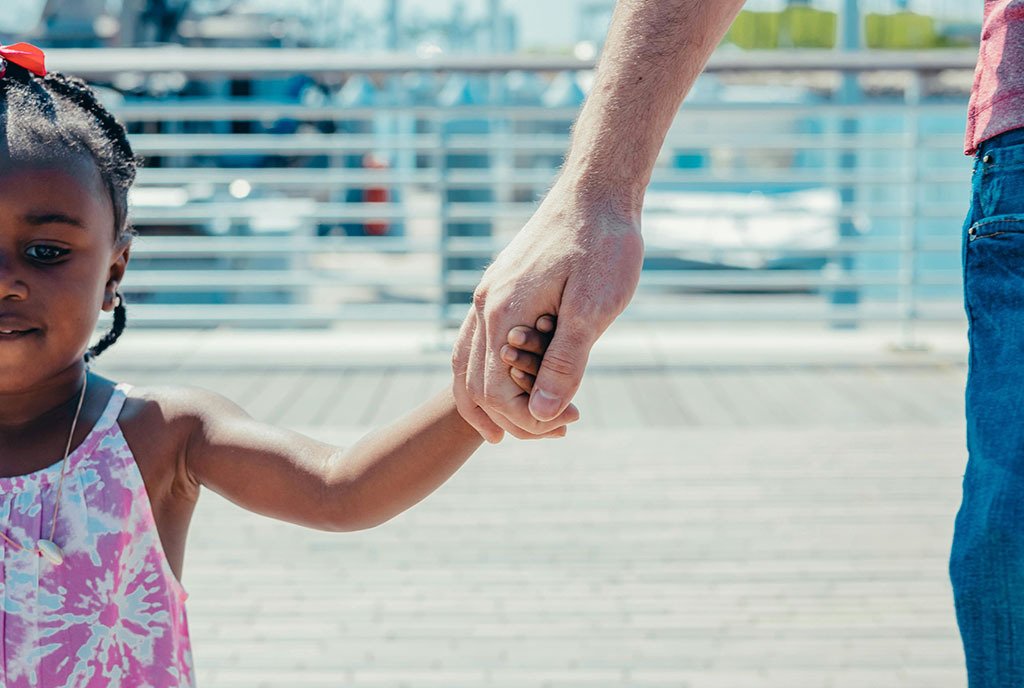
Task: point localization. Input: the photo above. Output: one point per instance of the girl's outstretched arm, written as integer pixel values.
(287, 475)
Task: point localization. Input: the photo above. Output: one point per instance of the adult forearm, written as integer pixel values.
(392, 469)
(652, 55)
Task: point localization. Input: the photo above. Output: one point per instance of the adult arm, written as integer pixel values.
(580, 255)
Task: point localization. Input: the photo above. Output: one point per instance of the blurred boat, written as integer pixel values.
(744, 231)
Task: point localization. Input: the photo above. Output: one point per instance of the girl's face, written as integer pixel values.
(59, 266)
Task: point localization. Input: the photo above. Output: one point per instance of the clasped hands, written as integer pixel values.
(578, 263)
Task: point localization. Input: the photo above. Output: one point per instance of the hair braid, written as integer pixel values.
(120, 320)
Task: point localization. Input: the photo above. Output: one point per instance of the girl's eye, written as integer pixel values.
(47, 253)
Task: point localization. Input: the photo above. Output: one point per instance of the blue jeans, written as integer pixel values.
(986, 564)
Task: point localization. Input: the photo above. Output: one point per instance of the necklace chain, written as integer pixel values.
(63, 467)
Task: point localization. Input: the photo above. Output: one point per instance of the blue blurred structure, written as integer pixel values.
(744, 216)
(314, 186)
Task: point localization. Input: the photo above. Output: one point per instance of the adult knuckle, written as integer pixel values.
(497, 312)
(480, 298)
(492, 399)
(476, 389)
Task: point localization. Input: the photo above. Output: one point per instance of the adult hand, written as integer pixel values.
(577, 259)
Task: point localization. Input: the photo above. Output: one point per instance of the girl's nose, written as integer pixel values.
(11, 284)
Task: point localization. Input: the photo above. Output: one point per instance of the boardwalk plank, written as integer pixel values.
(592, 411)
(904, 396)
(733, 384)
(833, 407)
(613, 394)
(941, 390)
(277, 388)
(855, 386)
(657, 400)
(404, 392)
(357, 398)
(306, 399)
(706, 404)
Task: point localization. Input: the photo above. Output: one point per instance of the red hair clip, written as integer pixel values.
(25, 54)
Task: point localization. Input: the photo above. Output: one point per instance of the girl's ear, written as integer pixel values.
(116, 275)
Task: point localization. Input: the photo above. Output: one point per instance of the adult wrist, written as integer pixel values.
(594, 196)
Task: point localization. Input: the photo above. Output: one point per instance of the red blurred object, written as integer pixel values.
(375, 194)
(25, 54)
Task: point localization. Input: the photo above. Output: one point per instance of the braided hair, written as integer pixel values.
(56, 117)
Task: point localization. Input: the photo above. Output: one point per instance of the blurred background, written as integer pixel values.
(375, 155)
(762, 487)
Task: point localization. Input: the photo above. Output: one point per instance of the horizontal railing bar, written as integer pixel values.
(740, 280)
(179, 111)
(270, 314)
(258, 280)
(941, 311)
(175, 246)
(483, 245)
(324, 177)
(186, 216)
(191, 315)
(482, 212)
(284, 176)
(893, 177)
(312, 144)
(265, 62)
(258, 209)
(157, 247)
(831, 314)
(309, 144)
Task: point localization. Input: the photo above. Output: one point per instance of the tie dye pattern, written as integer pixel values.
(113, 614)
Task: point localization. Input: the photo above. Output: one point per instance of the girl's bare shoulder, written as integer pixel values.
(157, 422)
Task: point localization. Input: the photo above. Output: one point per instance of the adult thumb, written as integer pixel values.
(561, 370)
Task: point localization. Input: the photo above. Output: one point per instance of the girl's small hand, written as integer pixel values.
(525, 350)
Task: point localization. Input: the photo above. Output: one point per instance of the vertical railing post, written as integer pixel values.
(909, 243)
(850, 124)
(443, 253)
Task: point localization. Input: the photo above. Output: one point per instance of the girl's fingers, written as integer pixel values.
(546, 324)
(529, 339)
(556, 433)
(522, 360)
(524, 380)
(527, 345)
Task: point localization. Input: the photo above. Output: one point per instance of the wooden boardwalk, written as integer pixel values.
(615, 398)
(771, 525)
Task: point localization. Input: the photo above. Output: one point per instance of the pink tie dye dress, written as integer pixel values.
(113, 614)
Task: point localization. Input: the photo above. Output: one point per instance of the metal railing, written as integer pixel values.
(781, 193)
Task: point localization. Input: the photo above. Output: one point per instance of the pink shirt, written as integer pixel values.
(112, 614)
(997, 99)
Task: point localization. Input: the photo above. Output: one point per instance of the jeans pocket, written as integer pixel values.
(994, 270)
(1001, 185)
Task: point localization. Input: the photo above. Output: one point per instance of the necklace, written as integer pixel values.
(47, 548)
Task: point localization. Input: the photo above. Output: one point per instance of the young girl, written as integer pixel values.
(98, 480)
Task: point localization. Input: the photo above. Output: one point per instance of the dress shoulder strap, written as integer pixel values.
(114, 406)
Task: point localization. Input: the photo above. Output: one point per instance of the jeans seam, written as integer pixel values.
(973, 234)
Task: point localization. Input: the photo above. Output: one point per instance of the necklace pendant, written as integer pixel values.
(51, 551)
